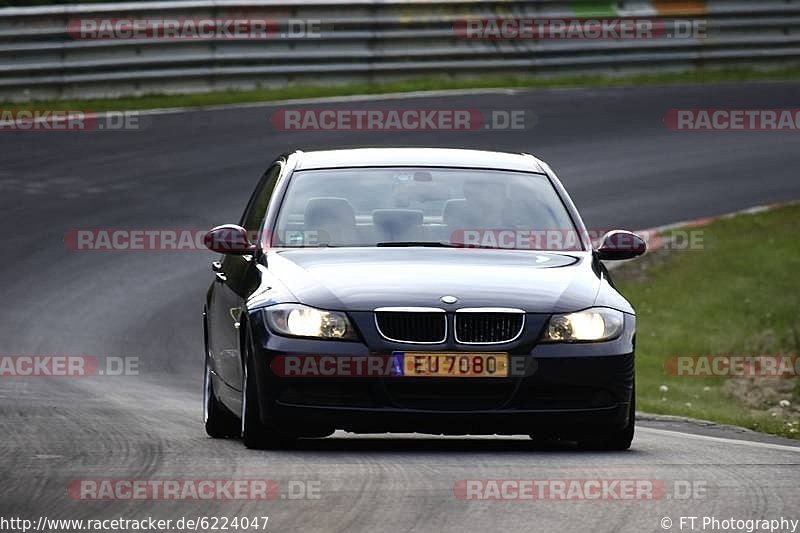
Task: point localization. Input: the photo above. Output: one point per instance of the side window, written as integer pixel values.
(257, 207)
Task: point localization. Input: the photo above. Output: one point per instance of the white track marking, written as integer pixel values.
(754, 444)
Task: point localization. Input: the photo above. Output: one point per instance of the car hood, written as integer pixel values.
(361, 279)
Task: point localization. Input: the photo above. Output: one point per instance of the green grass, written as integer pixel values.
(421, 84)
(739, 295)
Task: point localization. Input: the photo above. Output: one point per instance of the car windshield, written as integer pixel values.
(423, 207)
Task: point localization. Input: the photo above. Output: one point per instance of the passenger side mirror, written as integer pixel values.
(619, 244)
(229, 239)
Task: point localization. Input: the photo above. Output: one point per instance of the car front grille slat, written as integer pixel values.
(487, 327)
(421, 327)
(429, 325)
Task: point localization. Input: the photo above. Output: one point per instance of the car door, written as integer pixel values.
(236, 277)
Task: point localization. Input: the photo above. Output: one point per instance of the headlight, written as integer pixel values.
(592, 325)
(297, 320)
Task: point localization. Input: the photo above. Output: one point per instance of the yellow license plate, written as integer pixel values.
(455, 365)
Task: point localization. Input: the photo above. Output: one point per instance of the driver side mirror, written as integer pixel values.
(229, 239)
(620, 244)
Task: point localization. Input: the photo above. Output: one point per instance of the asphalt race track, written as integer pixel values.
(195, 170)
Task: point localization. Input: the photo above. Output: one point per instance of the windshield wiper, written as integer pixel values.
(436, 244)
(432, 244)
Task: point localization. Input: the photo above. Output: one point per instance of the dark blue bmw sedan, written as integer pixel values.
(416, 290)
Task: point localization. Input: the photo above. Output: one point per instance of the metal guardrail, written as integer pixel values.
(368, 40)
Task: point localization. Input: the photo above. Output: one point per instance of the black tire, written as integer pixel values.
(255, 434)
(219, 421)
(615, 439)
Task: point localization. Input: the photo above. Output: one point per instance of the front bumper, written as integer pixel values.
(571, 389)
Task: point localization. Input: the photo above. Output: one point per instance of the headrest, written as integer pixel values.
(455, 211)
(329, 212)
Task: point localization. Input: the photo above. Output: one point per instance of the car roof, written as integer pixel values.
(423, 157)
